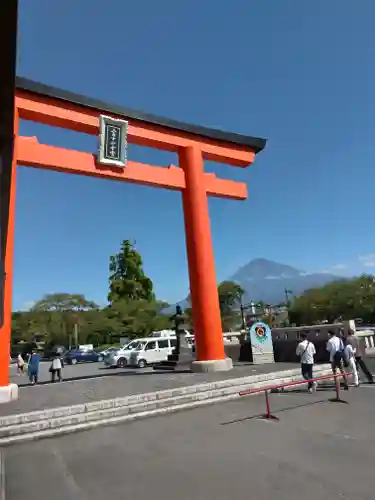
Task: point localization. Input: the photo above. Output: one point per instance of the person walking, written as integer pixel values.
(350, 356)
(359, 353)
(337, 355)
(33, 367)
(20, 364)
(56, 367)
(306, 351)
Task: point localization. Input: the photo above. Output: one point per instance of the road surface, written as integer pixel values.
(317, 451)
(92, 382)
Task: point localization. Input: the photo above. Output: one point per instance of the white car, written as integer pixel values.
(151, 351)
(106, 352)
(119, 358)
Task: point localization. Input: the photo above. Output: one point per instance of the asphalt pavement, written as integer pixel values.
(92, 382)
(70, 372)
(318, 450)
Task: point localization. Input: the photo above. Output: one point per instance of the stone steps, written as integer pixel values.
(59, 421)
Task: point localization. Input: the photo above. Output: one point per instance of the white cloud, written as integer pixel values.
(339, 267)
(272, 277)
(333, 269)
(367, 260)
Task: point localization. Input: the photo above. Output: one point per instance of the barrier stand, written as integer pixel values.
(338, 399)
(268, 415)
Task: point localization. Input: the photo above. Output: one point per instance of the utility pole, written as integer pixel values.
(76, 334)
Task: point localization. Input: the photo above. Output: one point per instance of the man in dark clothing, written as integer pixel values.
(359, 353)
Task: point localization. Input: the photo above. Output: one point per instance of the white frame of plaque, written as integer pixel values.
(124, 126)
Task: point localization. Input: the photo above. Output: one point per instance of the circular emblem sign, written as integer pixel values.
(260, 332)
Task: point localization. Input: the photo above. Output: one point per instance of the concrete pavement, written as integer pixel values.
(46, 423)
(318, 450)
(92, 382)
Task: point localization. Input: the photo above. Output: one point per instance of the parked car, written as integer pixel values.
(50, 352)
(107, 352)
(78, 356)
(151, 351)
(119, 358)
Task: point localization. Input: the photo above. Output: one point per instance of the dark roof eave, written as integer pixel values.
(255, 143)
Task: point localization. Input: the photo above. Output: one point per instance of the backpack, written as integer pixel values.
(341, 355)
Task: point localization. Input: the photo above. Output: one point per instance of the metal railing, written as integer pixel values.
(268, 415)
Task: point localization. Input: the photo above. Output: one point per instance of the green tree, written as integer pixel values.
(99, 326)
(60, 312)
(26, 324)
(230, 294)
(340, 300)
(138, 318)
(64, 302)
(188, 312)
(127, 280)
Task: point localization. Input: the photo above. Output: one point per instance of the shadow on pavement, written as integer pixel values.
(281, 410)
(106, 373)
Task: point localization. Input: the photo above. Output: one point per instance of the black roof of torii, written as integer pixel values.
(255, 143)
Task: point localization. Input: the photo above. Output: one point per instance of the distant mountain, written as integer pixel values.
(267, 280)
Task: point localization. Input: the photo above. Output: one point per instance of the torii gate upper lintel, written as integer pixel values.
(194, 144)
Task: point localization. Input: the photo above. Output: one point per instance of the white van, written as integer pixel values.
(120, 357)
(169, 333)
(152, 350)
(163, 333)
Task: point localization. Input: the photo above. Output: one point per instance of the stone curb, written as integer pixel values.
(73, 423)
(104, 404)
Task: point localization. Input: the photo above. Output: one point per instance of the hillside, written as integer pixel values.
(266, 280)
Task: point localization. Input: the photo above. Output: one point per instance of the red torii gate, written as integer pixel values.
(193, 144)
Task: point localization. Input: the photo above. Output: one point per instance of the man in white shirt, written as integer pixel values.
(337, 355)
(306, 351)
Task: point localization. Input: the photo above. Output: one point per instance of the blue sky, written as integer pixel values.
(298, 73)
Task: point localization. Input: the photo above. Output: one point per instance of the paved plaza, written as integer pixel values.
(91, 382)
(317, 451)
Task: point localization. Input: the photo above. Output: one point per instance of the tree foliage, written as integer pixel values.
(50, 324)
(230, 294)
(133, 310)
(127, 280)
(340, 300)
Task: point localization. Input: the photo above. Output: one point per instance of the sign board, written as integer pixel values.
(113, 141)
(261, 343)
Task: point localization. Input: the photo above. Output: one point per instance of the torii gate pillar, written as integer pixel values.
(202, 276)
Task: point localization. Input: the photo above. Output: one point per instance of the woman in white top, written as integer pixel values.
(56, 367)
(20, 364)
(350, 356)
